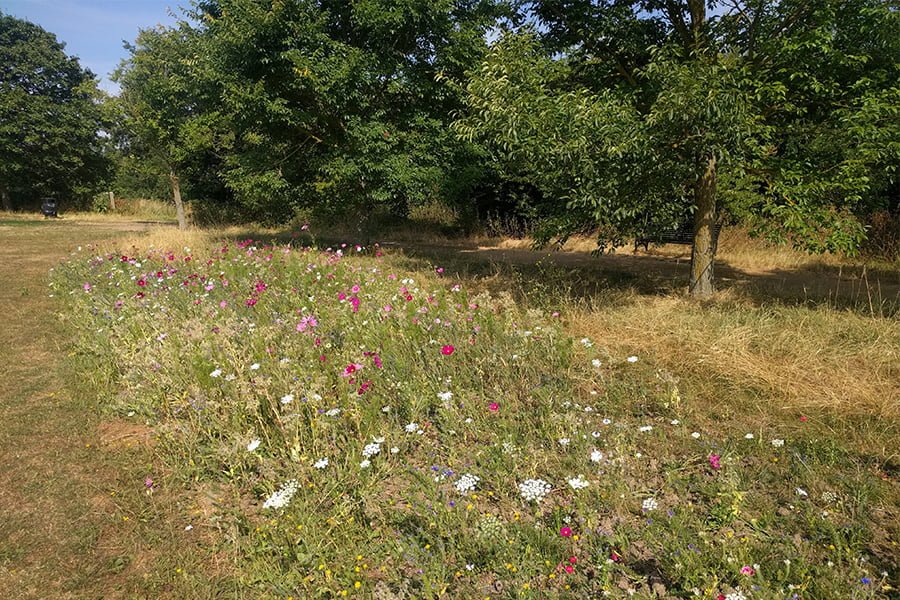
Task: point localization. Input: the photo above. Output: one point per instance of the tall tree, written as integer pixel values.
(638, 115)
(50, 119)
(165, 115)
(337, 103)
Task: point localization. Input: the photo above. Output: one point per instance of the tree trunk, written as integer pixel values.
(6, 202)
(176, 193)
(112, 202)
(703, 251)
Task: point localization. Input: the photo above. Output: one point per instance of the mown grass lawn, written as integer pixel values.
(349, 426)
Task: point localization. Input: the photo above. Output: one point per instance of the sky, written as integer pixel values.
(93, 30)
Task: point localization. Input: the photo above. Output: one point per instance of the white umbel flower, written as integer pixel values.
(282, 497)
(578, 483)
(534, 490)
(467, 483)
(253, 445)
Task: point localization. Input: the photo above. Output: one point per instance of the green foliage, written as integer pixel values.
(50, 119)
(797, 103)
(311, 104)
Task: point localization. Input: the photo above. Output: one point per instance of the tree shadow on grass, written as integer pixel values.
(554, 276)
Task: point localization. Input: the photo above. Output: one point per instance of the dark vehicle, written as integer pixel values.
(48, 207)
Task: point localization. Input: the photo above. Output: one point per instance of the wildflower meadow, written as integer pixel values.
(373, 431)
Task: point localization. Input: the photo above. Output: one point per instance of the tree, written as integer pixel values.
(336, 103)
(50, 119)
(634, 116)
(165, 116)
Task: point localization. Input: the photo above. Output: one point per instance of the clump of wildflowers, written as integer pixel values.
(283, 496)
(534, 490)
(467, 483)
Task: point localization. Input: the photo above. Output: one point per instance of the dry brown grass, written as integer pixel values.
(731, 354)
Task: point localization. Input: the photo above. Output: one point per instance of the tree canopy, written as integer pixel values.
(50, 119)
(636, 116)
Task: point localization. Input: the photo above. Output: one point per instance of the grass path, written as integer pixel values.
(62, 534)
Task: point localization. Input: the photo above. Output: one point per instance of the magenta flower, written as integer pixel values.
(714, 461)
(447, 350)
(748, 570)
(494, 407)
(565, 532)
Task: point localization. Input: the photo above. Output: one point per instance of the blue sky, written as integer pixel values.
(93, 30)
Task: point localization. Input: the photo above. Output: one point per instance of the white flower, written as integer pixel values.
(645, 428)
(564, 442)
(696, 435)
(470, 567)
(778, 443)
(649, 504)
(282, 497)
(253, 445)
(578, 483)
(606, 421)
(385, 409)
(365, 464)
(534, 489)
(371, 449)
(321, 463)
(674, 422)
(188, 527)
(802, 492)
(749, 436)
(412, 428)
(586, 342)
(230, 377)
(445, 396)
(287, 398)
(596, 362)
(596, 456)
(595, 434)
(332, 412)
(632, 359)
(216, 373)
(254, 366)
(735, 596)
(467, 483)
(395, 450)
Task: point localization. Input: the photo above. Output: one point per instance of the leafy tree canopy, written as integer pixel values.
(50, 119)
(636, 116)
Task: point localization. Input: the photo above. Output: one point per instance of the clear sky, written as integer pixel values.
(93, 30)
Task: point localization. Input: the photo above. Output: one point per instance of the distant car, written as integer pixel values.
(48, 207)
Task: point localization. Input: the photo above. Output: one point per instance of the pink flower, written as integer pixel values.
(570, 569)
(573, 560)
(447, 350)
(565, 532)
(748, 570)
(714, 461)
(351, 369)
(494, 407)
(87, 287)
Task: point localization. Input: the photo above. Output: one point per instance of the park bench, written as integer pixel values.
(49, 207)
(683, 234)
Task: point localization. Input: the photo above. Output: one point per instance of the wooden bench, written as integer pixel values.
(680, 235)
